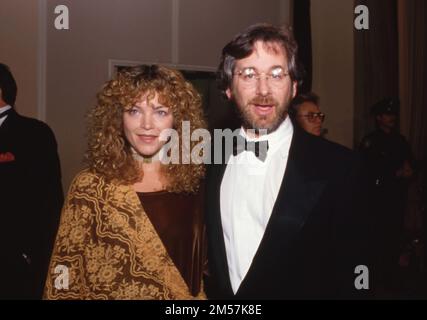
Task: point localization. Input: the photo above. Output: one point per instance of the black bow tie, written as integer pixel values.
(259, 148)
(5, 113)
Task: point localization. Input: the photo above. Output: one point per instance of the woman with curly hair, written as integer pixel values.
(132, 226)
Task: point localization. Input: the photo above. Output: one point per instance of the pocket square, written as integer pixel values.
(7, 157)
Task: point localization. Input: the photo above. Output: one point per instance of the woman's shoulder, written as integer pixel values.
(87, 179)
(94, 183)
(86, 175)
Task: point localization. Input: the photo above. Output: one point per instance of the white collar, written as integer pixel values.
(5, 108)
(277, 139)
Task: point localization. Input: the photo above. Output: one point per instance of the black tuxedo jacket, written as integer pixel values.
(317, 234)
(31, 198)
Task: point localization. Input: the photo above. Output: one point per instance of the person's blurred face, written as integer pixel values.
(143, 124)
(262, 103)
(387, 121)
(310, 118)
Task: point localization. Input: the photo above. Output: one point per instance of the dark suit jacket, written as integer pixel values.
(31, 198)
(317, 233)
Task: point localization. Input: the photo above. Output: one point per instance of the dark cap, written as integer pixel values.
(386, 106)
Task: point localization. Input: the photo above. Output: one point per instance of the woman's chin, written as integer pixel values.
(148, 153)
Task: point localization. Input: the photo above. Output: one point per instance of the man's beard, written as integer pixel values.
(251, 121)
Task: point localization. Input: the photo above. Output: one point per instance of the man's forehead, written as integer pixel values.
(308, 106)
(272, 47)
(264, 52)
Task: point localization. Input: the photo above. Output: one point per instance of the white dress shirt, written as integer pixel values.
(249, 191)
(3, 109)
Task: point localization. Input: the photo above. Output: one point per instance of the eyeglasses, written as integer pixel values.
(250, 77)
(312, 116)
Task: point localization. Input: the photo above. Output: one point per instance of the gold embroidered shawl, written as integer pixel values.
(110, 248)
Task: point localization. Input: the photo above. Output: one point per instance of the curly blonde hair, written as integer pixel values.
(109, 153)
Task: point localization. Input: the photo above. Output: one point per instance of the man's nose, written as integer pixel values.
(263, 86)
(318, 119)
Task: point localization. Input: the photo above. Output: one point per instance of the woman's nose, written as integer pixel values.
(147, 122)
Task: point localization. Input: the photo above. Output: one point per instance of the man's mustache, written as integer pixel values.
(263, 101)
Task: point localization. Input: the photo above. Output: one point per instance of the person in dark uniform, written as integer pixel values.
(389, 161)
(30, 197)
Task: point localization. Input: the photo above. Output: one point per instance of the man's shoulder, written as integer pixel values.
(401, 138)
(368, 140)
(35, 125)
(323, 157)
(329, 150)
(31, 127)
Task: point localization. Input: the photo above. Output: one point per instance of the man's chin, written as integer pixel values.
(268, 123)
(264, 127)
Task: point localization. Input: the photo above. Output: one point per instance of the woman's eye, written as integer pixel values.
(133, 111)
(162, 113)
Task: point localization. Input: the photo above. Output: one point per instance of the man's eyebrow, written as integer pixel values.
(256, 69)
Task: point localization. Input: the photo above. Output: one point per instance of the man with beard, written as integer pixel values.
(288, 223)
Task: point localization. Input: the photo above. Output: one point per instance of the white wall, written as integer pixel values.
(206, 26)
(333, 65)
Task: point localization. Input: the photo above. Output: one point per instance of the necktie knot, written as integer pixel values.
(259, 148)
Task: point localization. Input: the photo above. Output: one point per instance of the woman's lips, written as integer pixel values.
(147, 138)
(264, 110)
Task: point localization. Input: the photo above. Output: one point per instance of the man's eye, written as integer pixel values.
(162, 113)
(249, 73)
(277, 73)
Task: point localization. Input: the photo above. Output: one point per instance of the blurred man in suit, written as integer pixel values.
(31, 197)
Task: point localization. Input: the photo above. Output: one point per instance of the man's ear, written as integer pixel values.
(294, 89)
(228, 93)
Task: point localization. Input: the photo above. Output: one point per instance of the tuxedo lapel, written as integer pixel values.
(298, 194)
(217, 250)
